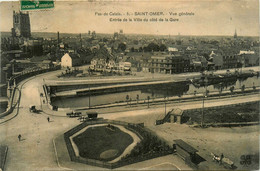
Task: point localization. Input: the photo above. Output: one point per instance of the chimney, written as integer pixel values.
(58, 37)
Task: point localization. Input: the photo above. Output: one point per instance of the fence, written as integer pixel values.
(136, 128)
(11, 106)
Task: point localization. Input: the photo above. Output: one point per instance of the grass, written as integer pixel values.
(248, 112)
(96, 140)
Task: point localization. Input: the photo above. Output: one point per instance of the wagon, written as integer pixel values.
(227, 163)
(92, 115)
(32, 109)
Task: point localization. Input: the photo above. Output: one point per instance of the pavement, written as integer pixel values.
(36, 151)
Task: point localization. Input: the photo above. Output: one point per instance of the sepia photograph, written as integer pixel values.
(129, 85)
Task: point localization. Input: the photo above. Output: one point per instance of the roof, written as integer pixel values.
(176, 112)
(185, 146)
(91, 113)
(71, 55)
(246, 52)
(66, 55)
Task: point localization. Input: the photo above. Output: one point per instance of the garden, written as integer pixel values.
(247, 112)
(103, 143)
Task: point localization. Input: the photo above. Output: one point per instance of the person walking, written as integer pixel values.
(221, 158)
(19, 137)
(48, 119)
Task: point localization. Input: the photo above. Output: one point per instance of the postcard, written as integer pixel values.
(129, 85)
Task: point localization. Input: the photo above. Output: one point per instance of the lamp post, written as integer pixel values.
(203, 101)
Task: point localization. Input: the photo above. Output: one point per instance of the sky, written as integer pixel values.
(211, 17)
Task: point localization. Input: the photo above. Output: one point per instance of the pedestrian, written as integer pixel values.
(19, 137)
(221, 157)
(48, 119)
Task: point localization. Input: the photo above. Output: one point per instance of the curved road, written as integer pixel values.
(35, 151)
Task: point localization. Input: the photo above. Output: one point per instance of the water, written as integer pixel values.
(157, 91)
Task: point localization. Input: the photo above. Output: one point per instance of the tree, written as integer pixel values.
(122, 46)
(243, 88)
(137, 98)
(135, 42)
(180, 96)
(153, 47)
(162, 47)
(220, 91)
(207, 92)
(148, 98)
(127, 98)
(231, 89)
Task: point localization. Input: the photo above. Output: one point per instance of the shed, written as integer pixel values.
(176, 115)
(184, 150)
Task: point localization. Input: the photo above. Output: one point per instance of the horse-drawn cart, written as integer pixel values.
(226, 162)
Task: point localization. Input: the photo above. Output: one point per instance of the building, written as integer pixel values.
(125, 66)
(161, 64)
(176, 116)
(248, 58)
(111, 64)
(230, 60)
(21, 25)
(216, 59)
(98, 64)
(70, 60)
(180, 64)
(169, 64)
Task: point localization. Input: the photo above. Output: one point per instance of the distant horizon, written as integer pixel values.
(175, 35)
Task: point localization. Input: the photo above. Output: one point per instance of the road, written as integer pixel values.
(35, 151)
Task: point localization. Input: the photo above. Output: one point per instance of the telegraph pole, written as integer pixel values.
(203, 101)
(88, 97)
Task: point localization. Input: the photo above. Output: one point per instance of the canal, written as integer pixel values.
(155, 91)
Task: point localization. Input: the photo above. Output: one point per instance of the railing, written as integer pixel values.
(18, 78)
(26, 74)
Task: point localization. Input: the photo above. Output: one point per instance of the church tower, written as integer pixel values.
(235, 35)
(21, 24)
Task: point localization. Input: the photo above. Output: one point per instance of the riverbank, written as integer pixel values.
(106, 91)
(143, 103)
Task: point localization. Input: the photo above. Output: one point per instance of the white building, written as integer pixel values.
(70, 60)
(125, 66)
(66, 61)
